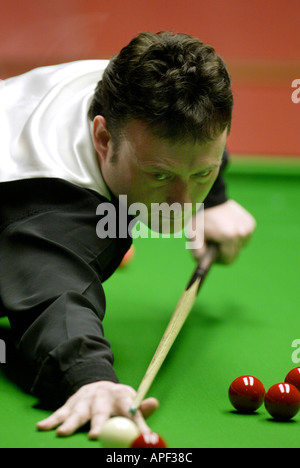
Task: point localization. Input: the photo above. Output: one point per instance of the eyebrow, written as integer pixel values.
(164, 168)
(154, 165)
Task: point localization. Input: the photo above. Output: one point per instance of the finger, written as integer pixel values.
(249, 234)
(245, 240)
(228, 253)
(101, 412)
(54, 420)
(148, 407)
(79, 416)
(123, 401)
(139, 420)
(74, 422)
(97, 423)
(198, 253)
(229, 250)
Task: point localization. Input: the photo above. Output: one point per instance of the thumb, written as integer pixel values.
(198, 252)
(149, 406)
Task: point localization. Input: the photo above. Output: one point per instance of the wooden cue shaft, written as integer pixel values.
(177, 320)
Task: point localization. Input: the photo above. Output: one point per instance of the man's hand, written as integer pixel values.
(96, 403)
(230, 226)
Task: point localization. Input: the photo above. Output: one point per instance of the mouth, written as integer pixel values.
(172, 218)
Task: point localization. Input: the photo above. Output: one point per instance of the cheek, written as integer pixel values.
(208, 185)
(137, 190)
(126, 177)
(201, 191)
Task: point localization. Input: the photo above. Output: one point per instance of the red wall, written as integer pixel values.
(259, 39)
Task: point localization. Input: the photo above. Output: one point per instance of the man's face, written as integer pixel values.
(149, 169)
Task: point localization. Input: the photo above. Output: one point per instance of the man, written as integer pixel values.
(154, 130)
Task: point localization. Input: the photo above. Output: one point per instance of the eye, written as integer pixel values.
(202, 175)
(160, 177)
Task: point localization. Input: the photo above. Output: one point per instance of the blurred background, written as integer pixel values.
(259, 40)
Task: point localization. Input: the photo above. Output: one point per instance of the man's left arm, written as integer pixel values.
(226, 222)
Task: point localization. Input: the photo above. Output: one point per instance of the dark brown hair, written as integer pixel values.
(175, 83)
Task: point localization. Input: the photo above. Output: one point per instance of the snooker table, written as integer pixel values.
(244, 321)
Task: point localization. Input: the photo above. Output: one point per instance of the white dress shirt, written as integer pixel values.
(44, 125)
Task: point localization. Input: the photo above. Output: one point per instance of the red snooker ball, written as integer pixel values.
(293, 377)
(152, 440)
(282, 401)
(246, 394)
(128, 257)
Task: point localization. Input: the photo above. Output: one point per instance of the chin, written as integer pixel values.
(166, 225)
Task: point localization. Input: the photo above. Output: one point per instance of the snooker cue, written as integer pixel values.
(176, 322)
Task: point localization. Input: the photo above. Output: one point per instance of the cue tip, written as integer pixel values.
(133, 411)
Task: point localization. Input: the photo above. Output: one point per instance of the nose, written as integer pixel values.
(180, 192)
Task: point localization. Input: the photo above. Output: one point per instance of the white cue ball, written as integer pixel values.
(119, 432)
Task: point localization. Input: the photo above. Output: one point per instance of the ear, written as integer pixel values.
(101, 137)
